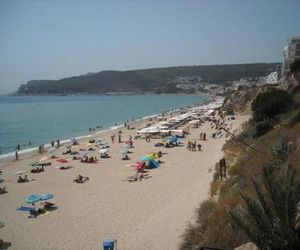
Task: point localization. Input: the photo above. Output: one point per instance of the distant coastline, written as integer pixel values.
(173, 80)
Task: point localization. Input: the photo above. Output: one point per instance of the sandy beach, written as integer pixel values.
(148, 214)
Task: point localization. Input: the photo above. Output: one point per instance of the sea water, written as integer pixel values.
(36, 120)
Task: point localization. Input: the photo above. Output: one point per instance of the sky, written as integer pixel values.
(53, 39)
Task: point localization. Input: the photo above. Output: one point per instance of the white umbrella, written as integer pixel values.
(52, 151)
(103, 151)
(84, 153)
(20, 172)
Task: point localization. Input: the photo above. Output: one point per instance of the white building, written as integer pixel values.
(291, 53)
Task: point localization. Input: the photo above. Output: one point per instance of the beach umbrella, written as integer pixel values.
(103, 151)
(153, 164)
(34, 163)
(20, 172)
(124, 151)
(52, 151)
(46, 196)
(173, 138)
(32, 198)
(139, 165)
(151, 156)
(84, 153)
(145, 158)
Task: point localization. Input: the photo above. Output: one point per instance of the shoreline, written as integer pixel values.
(27, 152)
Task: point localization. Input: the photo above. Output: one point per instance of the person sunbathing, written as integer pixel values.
(125, 157)
(37, 170)
(21, 180)
(67, 152)
(33, 213)
(3, 190)
(81, 179)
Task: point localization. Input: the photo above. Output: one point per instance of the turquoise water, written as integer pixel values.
(41, 119)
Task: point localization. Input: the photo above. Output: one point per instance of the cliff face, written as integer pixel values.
(241, 100)
(160, 80)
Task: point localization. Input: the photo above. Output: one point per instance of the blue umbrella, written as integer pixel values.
(46, 196)
(145, 158)
(32, 198)
(173, 138)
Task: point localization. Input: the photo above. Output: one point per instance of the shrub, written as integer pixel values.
(194, 233)
(263, 127)
(270, 104)
(295, 119)
(271, 219)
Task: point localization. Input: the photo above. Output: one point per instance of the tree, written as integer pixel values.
(271, 220)
(271, 103)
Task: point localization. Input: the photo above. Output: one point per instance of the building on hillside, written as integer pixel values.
(291, 53)
(278, 70)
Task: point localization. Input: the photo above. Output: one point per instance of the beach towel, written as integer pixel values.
(25, 209)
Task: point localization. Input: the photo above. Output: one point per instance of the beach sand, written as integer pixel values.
(148, 214)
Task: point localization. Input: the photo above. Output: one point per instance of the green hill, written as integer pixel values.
(159, 80)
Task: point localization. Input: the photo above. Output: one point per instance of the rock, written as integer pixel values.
(247, 246)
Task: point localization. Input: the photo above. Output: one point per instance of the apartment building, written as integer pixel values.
(291, 53)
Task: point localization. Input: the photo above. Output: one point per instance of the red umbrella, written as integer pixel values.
(140, 165)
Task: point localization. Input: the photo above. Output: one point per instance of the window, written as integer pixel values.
(298, 46)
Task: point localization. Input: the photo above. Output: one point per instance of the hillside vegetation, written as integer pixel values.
(158, 80)
(262, 183)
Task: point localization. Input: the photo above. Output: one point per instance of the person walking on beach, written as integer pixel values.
(17, 155)
(201, 136)
(58, 143)
(112, 137)
(120, 137)
(52, 144)
(204, 136)
(189, 145)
